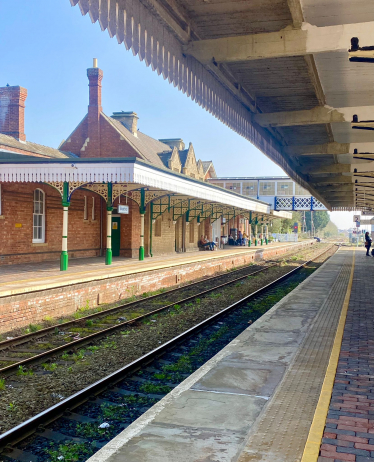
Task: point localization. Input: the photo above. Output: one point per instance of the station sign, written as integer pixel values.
(123, 209)
(367, 222)
(356, 218)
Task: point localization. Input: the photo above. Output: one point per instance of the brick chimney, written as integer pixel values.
(12, 111)
(128, 119)
(95, 76)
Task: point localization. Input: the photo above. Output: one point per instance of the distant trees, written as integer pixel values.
(320, 220)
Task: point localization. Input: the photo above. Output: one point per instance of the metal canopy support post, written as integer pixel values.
(262, 234)
(142, 212)
(256, 233)
(267, 233)
(250, 230)
(64, 259)
(109, 209)
(151, 231)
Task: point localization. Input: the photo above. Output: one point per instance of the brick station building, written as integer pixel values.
(109, 189)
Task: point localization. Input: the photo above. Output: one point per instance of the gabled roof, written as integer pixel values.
(37, 149)
(183, 156)
(165, 157)
(148, 148)
(208, 165)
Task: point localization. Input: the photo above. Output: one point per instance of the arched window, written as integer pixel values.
(38, 228)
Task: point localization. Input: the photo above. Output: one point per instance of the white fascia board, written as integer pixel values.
(125, 173)
(176, 184)
(278, 214)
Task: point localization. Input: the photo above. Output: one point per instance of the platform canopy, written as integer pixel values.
(139, 181)
(275, 71)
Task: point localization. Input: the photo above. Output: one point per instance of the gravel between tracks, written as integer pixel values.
(26, 395)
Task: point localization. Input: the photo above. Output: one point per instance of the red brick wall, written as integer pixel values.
(12, 105)
(130, 230)
(20, 310)
(17, 208)
(111, 144)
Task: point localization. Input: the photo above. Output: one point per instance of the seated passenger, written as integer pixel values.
(211, 244)
(204, 242)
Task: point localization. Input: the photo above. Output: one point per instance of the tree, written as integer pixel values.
(320, 220)
(330, 230)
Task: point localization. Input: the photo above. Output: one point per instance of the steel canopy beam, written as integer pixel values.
(333, 168)
(317, 115)
(333, 148)
(285, 43)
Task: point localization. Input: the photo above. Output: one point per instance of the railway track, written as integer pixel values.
(79, 425)
(36, 347)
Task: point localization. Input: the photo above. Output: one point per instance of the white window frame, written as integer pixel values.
(93, 209)
(42, 239)
(85, 211)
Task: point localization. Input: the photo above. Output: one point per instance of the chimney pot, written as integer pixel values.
(12, 111)
(128, 119)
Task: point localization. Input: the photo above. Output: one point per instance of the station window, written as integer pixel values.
(233, 187)
(39, 217)
(285, 188)
(192, 232)
(93, 209)
(267, 188)
(85, 211)
(158, 224)
(250, 188)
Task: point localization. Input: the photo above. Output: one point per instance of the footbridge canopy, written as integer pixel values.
(277, 72)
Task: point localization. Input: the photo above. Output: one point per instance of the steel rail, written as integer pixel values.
(4, 344)
(42, 332)
(104, 332)
(7, 370)
(47, 416)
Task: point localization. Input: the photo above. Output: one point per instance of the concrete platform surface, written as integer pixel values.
(255, 400)
(27, 277)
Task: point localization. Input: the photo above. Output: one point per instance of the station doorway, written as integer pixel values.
(116, 236)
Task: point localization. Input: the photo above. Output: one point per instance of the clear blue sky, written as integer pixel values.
(47, 45)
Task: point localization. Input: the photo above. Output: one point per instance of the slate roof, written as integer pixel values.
(206, 165)
(165, 157)
(183, 156)
(44, 151)
(148, 148)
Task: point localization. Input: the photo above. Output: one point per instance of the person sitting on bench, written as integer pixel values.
(205, 243)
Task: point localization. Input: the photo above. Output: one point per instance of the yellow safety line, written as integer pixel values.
(313, 442)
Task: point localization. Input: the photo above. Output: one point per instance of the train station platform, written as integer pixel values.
(265, 396)
(31, 292)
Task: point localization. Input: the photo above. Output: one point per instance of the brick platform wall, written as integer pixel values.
(21, 310)
(16, 224)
